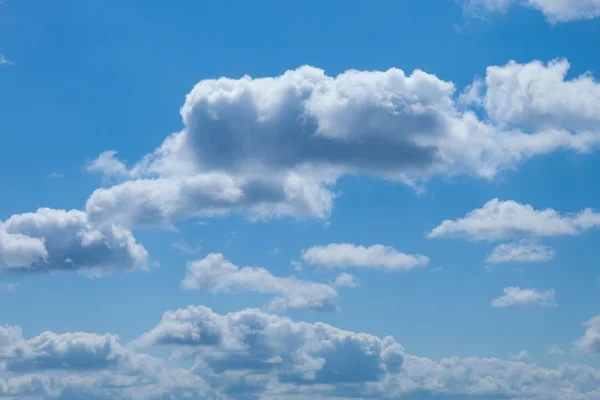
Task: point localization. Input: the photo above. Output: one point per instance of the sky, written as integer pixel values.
(299, 200)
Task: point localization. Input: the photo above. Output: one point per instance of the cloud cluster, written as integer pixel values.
(269, 147)
(554, 10)
(216, 273)
(297, 352)
(86, 365)
(517, 297)
(337, 255)
(252, 354)
(51, 240)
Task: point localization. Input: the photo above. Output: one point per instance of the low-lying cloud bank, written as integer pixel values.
(253, 354)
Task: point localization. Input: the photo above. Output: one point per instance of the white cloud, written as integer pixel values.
(349, 255)
(520, 356)
(272, 147)
(555, 350)
(590, 341)
(521, 251)
(57, 240)
(186, 248)
(297, 352)
(5, 61)
(346, 280)
(554, 10)
(253, 354)
(50, 351)
(216, 273)
(517, 297)
(538, 96)
(332, 363)
(502, 220)
(86, 365)
(55, 175)
(297, 265)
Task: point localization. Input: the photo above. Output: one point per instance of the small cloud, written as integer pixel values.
(5, 61)
(487, 268)
(517, 297)
(555, 350)
(273, 251)
(202, 223)
(297, 265)
(519, 357)
(346, 280)
(232, 237)
(185, 247)
(55, 175)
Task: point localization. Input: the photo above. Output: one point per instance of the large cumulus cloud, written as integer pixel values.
(321, 361)
(297, 351)
(50, 240)
(276, 146)
(251, 354)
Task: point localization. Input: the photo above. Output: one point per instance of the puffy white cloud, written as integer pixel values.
(216, 273)
(251, 354)
(501, 220)
(297, 352)
(321, 361)
(590, 341)
(57, 240)
(349, 255)
(554, 10)
(538, 96)
(514, 296)
(346, 280)
(85, 365)
(270, 147)
(50, 351)
(521, 251)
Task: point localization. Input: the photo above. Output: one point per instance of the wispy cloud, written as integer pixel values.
(55, 175)
(5, 61)
(185, 247)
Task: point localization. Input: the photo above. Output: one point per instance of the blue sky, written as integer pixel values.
(411, 183)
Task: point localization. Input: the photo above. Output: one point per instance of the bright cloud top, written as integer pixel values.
(275, 146)
(554, 10)
(502, 220)
(216, 273)
(517, 297)
(339, 255)
(523, 251)
(57, 240)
